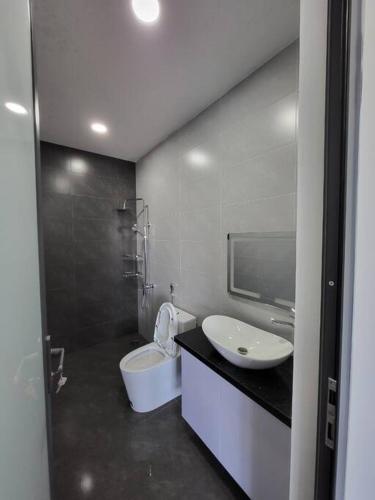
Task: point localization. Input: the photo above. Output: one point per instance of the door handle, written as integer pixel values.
(59, 351)
(52, 375)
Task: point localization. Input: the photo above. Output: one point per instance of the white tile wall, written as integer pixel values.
(231, 169)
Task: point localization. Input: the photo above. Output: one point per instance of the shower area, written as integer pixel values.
(95, 246)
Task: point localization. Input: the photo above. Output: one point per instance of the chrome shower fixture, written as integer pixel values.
(136, 230)
(124, 206)
(143, 260)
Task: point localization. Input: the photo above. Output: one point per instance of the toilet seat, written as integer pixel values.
(166, 327)
(157, 352)
(144, 358)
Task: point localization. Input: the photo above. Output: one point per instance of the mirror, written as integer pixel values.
(261, 267)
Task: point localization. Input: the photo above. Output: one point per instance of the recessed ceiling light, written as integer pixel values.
(16, 108)
(99, 128)
(147, 11)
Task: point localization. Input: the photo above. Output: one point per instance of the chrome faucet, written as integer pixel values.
(285, 323)
(281, 322)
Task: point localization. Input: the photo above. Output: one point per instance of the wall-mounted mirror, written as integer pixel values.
(261, 267)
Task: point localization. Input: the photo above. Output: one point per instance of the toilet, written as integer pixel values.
(152, 373)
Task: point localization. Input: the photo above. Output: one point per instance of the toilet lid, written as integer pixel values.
(166, 327)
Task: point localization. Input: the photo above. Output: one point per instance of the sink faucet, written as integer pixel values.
(285, 323)
(281, 322)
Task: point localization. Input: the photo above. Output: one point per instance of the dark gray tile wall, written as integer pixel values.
(85, 242)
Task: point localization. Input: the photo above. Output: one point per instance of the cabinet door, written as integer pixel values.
(201, 400)
(254, 446)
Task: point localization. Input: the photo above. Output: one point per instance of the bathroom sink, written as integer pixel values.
(244, 345)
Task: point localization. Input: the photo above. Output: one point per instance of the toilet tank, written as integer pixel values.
(186, 321)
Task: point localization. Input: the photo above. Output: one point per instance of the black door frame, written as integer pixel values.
(338, 36)
(335, 173)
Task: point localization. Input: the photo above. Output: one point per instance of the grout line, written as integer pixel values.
(268, 151)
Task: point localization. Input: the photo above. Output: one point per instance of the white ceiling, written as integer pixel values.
(95, 62)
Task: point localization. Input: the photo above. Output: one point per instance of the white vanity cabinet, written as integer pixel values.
(252, 444)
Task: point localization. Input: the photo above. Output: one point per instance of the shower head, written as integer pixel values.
(123, 208)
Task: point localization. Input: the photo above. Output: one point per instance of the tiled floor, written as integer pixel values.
(105, 451)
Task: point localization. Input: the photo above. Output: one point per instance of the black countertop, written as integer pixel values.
(271, 389)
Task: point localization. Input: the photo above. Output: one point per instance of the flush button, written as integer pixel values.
(242, 350)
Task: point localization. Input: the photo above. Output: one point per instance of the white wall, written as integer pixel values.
(309, 246)
(361, 431)
(23, 444)
(231, 169)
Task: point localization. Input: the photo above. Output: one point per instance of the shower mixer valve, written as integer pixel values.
(131, 274)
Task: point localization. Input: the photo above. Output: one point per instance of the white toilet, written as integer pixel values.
(152, 373)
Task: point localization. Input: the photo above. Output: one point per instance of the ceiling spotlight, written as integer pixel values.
(146, 11)
(99, 128)
(16, 108)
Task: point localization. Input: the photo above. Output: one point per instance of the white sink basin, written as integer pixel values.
(244, 345)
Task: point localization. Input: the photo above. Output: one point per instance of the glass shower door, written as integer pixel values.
(23, 427)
